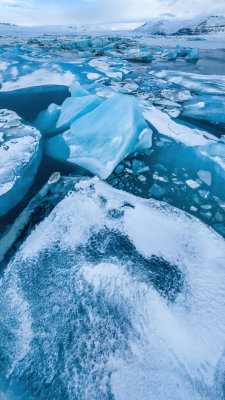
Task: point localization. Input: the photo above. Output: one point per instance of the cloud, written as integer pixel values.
(14, 3)
(79, 11)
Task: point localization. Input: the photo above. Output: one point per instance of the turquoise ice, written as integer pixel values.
(20, 154)
(206, 108)
(101, 139)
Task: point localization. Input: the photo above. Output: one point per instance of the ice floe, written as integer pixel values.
(206, 108)
(178, 131)
(102, 138)
(20, 154)
(201, 84)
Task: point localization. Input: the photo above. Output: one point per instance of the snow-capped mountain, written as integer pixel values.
(162, 27)
(213, 24)
(198, 26)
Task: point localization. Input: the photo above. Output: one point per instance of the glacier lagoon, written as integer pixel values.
(113, 290)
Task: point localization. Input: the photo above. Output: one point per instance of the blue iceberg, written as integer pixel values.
(192, 55)
(101, 139)
(74, 108)
(77, 90)
(47, 120)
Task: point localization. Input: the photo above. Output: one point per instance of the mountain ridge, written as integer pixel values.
(197, 26)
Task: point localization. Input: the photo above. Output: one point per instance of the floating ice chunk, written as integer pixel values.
(54, 178)
(138, 166)
(157, 190)
(181, 51)
(83, 44)
(93, 76)
(206, 108)
(176, 94)
(47, 120)
(208, 84)
(75, 107)
(138, 55)
(166, 126)
(218, 217)
(205, 177)
(151, 276)
(77, 90)
(104, 137)
(216, 153)
(109, 68)
(192, 184)
(119, 169)
(130, 87)
(99, 41)
(174, 113)
(192, 55)
(167, 103)
(170, 54)
(20, 155)
(142, 178)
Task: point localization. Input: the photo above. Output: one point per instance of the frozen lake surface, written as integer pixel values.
(112, 219)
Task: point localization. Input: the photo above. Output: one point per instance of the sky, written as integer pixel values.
(48, 12)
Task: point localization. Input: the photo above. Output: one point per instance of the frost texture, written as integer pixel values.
(114, 297)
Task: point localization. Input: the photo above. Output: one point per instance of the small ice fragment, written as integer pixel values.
(137, 166)
(218, 217)
(142, 178)
(204, 193)
(54, 178)
(129, 170)
(192, 184)
(157, 191)
(205, 177)
(206, 207)
(119, 169)
(92, 76)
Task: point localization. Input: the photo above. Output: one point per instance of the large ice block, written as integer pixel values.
(20, 155)
(102, 138)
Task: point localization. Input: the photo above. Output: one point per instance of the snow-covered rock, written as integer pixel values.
(101, 139)
(20, 155)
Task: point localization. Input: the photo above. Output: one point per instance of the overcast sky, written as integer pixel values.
(40, 12)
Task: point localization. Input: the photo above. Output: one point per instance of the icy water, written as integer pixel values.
(113, 289)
